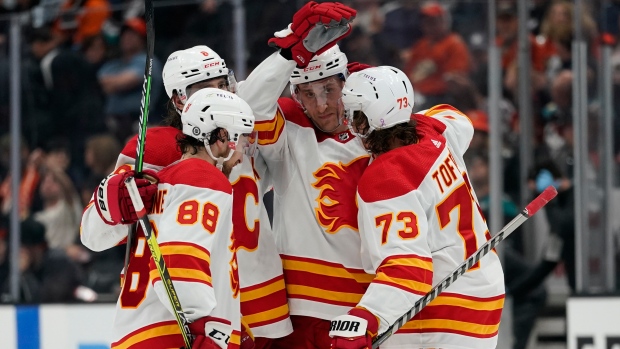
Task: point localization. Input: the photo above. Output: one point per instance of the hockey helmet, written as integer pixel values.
(212, 108)
(384, 94)
(186, 67)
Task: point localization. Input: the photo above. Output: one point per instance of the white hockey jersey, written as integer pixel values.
(263, 296)
(192, 219)
(315, 177)
(419, 219)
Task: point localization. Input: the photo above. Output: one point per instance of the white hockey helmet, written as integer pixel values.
(212, 108)
(328, 63)
(189, 66)
(384, 94)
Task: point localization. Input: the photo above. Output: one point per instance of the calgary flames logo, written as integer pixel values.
(338, 184)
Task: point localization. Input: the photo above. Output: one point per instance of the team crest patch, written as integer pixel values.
(343, 136)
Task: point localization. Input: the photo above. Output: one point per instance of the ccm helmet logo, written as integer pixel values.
(307, 69)
(187, 107)
(212, 64)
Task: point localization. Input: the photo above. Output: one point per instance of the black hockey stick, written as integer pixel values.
(151, 240)
(144, 111)
(531, 209)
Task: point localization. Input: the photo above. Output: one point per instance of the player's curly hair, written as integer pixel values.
(189, 144)
(173, 117)
(381, 141)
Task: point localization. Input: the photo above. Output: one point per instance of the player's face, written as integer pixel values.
(219, 82)
(322, 102)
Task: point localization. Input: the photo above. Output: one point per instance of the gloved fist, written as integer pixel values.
(112, 197)
(210, 333)
(353, 67)
(315, 29)
(354, 330)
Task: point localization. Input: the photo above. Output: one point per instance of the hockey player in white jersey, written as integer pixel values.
(418, 220)
(192, 219)
(315, 162)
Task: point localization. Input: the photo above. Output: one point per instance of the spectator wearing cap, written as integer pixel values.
(437, 57)
(122, 79)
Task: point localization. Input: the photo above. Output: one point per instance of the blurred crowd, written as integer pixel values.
(82, 75)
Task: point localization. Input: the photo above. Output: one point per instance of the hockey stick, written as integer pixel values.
(531, 209)
(151, 240)
(144, 111)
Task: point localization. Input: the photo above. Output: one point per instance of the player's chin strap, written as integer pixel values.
(219, 161)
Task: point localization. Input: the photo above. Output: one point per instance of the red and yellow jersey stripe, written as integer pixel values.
(235, 340)
(411, 273)
(264, 303)
(185, 262)
(459, 314)
(165, 334)
(269, 131)
(324, 282)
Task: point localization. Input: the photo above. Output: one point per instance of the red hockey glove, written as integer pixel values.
(112, 198)
(354, 330)
(315, 29)
(210, 333)
(356, 66)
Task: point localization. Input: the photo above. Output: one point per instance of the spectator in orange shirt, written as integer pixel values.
(437, 56)
(80, 19)
(507, 41)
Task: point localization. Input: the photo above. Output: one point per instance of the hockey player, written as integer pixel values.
(315, 163)
(192, 218)
(418, 220)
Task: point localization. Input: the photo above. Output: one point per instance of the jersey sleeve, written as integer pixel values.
(195, 224)
(160, 149)
(394, 239)
(265, 84)
(96, 234)
(261, 91)
(459, 129)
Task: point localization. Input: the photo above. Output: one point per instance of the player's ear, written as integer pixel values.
(177, 101)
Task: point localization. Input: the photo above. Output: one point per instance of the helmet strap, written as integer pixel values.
(219, 161)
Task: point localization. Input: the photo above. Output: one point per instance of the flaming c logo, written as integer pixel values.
(336, 201)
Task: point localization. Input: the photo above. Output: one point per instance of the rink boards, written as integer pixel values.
(593, 323)
(57, 326)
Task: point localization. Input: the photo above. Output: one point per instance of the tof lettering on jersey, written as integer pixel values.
(446, 175)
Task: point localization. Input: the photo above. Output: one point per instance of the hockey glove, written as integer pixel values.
(356, 66)
(210, 333)
(354, 330)
(315, 29)
(112, 197)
